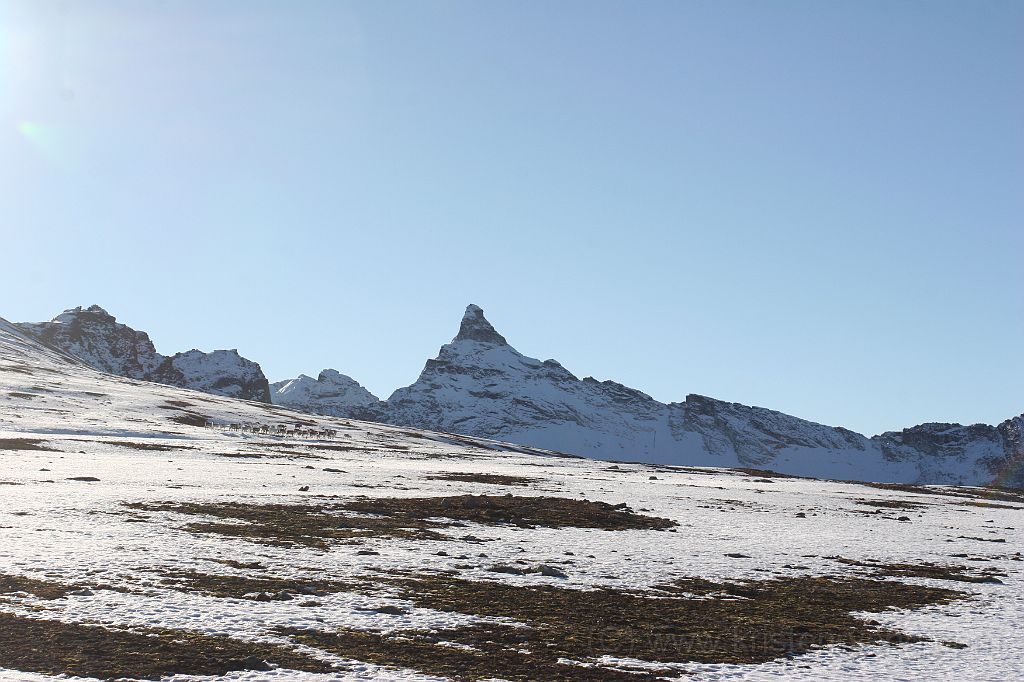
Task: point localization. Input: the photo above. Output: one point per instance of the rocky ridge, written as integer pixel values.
(95, 337)
(331, 393)
(479, 385)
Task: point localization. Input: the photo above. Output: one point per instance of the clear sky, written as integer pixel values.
(816, 207)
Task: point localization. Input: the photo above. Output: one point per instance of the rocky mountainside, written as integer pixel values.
(479, 385)
(331, 393)
(96, 338)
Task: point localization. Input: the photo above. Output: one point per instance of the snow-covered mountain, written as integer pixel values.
(96, 338)
(331, 393)
(480, 385)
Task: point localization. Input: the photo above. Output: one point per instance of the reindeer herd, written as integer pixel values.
(276, 430)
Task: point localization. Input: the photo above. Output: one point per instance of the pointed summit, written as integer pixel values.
(475, 327)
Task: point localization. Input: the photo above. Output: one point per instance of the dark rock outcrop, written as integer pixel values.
(96, 338)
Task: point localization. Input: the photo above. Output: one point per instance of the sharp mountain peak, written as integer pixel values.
(475, 327)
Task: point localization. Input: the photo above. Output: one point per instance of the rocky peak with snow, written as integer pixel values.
(95, 337)
(98, 339)
(331, 393)
(222, 372)
(479, 385)
(995, 452)
(475, 327)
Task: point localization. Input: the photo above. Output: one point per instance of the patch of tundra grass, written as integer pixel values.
(320, 525)
(57, 648)
(563, 634)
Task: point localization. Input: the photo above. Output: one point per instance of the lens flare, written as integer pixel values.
(30, 130)
(44, 138)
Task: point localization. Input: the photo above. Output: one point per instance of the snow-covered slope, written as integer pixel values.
(480, 385)
(136, 543)
(331, 393)
(98, 339)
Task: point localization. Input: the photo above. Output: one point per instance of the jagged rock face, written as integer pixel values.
(985, 452)
(96, 338)
(479, 385)
(331, 393)
(756, 435)
(1011, 467)
(475, 327)
(223, 372)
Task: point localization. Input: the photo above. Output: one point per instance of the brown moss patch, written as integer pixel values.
(234, 563)
(992, 505)
(986, 493)
(926, 569)
(318, 525)
(688, 621)
(189, 419)
(44, 589)
(156, 447)
(491, 479)
(891, 504)
(55, 648)
(284, 454)
(527, 512)
(24, 444)
(264, 588)
(764, 473)
(310, 525)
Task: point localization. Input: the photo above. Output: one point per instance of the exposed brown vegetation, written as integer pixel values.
(987, 493)
(266, 588)
(992, 505)
(725, 623)
(44, 589)
(765, 473)
(317, 525)
(492, 479)
(57, 648)
(926, 569)
(551, 512)
(24, 444)
(891, 504)
(189, 419)
(309, 525)
(156, 447)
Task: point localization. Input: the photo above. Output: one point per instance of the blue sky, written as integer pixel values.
(814, 207)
